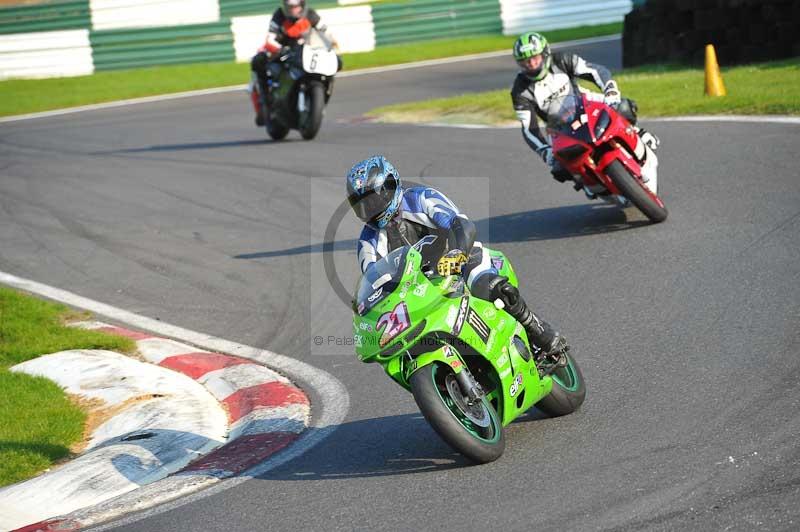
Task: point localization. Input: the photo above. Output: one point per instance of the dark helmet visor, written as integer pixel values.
(373, 203)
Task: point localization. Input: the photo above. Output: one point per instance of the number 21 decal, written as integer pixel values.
(394, 323)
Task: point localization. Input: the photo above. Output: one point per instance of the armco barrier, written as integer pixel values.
(235, 8)
(195, 43)
(136, 33)
(45, 54)
(352, 27)
(431, 19)
(118, 14)
(533, 15)
(45, 17)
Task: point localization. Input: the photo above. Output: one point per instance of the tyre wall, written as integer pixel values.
(742, 31)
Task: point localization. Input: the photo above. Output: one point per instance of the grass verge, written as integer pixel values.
(38, 422)
(30, 96)
(764, 88)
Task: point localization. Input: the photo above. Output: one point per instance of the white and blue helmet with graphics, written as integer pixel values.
(374, 190)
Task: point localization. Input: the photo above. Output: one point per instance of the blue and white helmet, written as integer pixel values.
(374, 190)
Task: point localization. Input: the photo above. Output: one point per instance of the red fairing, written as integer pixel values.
(618, 142)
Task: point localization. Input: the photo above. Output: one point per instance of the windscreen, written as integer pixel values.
(564, 112)
(380, 280)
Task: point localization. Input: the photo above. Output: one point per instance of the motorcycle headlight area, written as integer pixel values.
(572, 152)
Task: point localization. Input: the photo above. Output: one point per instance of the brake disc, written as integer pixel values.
(477, 412)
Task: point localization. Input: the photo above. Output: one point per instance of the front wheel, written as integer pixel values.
(275, 129)
(311, 118)
(644, 200)
(568, 393)
(473, 430)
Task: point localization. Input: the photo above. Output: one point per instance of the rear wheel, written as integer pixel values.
(473, 430)
(311, 118)
(644, 200)
(568, 393)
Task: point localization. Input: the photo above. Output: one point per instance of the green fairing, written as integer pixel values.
(437, 301)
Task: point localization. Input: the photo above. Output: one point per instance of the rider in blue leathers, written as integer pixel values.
(397, 216)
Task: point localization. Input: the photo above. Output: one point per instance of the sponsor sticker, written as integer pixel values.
(490, 313)
(516, 385)
(404, 290)
(479, 326)
(505, 373)
(503, 360)
(462, 314)
(375, 295)
(455, 364)
(497, 263)
(421, 290)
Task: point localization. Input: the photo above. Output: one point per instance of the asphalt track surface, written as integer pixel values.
(687, 331)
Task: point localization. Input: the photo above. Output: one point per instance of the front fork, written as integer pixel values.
(469, 386)
(448, 355)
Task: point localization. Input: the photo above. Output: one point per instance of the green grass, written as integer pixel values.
(30, 96)
(38, 423)
(765, 88)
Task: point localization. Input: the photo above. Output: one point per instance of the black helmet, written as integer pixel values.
(374, 190)
(287, 6)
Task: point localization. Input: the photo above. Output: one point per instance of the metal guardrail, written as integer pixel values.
(45, 17)
(235, 8)
(431, 19)
(195, 43)
(129, 34)
(534, 15)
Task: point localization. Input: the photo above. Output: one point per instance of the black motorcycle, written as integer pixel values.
(301, 85)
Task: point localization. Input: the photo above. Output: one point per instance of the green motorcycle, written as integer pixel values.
(467, 362)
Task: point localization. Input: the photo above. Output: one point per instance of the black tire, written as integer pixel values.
(644, 200)
(479, 444)
(568, 393)
(311, 120)
(275, 129)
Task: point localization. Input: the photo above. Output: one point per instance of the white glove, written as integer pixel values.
(611, 94)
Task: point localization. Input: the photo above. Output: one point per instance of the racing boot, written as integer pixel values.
(546, 341)
(649, 139)
(259, 109)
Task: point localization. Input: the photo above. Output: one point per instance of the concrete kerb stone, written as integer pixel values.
(262, 413)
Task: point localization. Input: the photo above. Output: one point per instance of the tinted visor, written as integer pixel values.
(373, 203)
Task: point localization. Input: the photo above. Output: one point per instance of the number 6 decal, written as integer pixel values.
(394, 323)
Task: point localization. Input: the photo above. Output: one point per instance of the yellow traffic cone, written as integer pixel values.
(714, 84)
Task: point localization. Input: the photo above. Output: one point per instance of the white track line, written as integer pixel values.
(328, 414)
(345, 74)
(775, 119)
(753, 119)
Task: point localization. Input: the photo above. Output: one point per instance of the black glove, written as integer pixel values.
(560, 173)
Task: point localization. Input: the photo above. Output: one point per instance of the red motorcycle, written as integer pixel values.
(604, 153)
